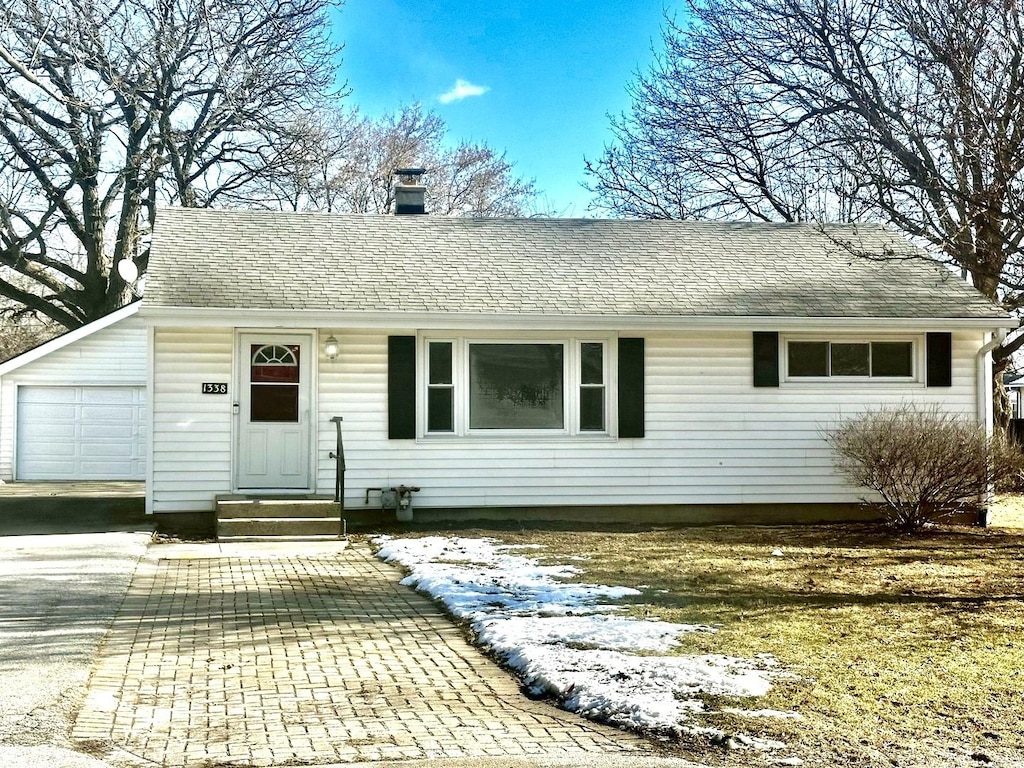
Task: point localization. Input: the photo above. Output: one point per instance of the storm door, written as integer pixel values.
(274, 412)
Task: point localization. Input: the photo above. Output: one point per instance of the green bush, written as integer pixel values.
(925, 464)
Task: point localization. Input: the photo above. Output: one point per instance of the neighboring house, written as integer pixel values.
(74, 408)
(644, 368)
(638, 369)
(1014, 383)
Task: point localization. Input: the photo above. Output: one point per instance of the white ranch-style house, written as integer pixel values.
(584, 369)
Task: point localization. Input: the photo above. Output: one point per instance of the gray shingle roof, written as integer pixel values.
(271, 260)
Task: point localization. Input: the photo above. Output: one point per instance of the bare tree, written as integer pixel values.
(21, 333)
(350, 160)
(474, 180)
(111, 107)
(909, 112)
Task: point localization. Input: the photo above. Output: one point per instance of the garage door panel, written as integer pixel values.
(48, 395)
(40, 449)
(110, 467)
(50, 468)
(109, 395)
(81, 433)
(43, 413)
(108, 432)
(108, 450)
(46, 432)
(106, 414)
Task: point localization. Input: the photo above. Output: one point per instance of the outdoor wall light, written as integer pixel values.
(331, 347)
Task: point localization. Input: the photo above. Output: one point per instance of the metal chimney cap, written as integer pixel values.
(410, 195)
(410, 175)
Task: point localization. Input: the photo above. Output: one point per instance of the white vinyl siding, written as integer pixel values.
(712, 438)
(192, 432)
(114, 356)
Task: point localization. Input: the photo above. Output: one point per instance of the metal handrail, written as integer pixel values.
(339, 476)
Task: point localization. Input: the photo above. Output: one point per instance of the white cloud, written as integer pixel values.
(463, 89)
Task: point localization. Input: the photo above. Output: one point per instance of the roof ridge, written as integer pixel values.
(433, 218)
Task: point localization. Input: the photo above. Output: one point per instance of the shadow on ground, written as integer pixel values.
(33, 517)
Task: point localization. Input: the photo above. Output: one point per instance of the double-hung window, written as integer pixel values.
(593, 399)
(537, 386)
(440, 387)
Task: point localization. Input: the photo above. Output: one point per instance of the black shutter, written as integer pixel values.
(401, 387)
(631, 387)
(939, 352)
(766, 359)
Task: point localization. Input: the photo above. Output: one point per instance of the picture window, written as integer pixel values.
(497, 387)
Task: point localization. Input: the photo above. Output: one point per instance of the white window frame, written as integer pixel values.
(424, 389)
(604, 386)
(916, 358)
(571, 385)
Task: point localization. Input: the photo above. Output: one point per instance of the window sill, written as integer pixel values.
(870, 380)
(505, 437)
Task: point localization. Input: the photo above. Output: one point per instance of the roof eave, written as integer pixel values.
(313, 318)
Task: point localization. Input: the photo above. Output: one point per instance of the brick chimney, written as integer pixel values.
(410, 195)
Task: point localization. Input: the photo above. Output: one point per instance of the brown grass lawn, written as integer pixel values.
(1007, 512)
(909, 650)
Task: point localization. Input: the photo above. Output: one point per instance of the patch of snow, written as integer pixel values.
(654, 693)
(781, 714)
(564, 642)
(594, 631)
(477, 577)
(742, 740)
(777, 553)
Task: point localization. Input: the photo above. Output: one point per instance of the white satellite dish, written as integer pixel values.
(128, 271)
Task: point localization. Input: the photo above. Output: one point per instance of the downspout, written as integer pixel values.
(985, 416)
(984, 380)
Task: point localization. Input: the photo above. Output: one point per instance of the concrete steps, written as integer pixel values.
(244, 518)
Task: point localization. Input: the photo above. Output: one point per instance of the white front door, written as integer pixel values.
(274, 411)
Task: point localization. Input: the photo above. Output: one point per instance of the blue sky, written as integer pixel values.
(539, 77)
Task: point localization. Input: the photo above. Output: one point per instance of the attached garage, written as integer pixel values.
(75, 408)
(81, 433)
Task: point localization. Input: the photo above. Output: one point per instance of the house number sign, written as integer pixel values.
(214, 388)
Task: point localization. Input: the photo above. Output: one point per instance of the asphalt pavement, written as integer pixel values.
(58, 596)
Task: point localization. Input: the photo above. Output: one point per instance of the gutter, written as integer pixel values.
(426, 320)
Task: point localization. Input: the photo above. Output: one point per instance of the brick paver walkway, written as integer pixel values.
(263, 659)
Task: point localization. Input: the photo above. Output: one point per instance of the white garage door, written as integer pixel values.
(81, 433)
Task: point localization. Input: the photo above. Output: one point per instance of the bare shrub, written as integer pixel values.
(927, 465)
